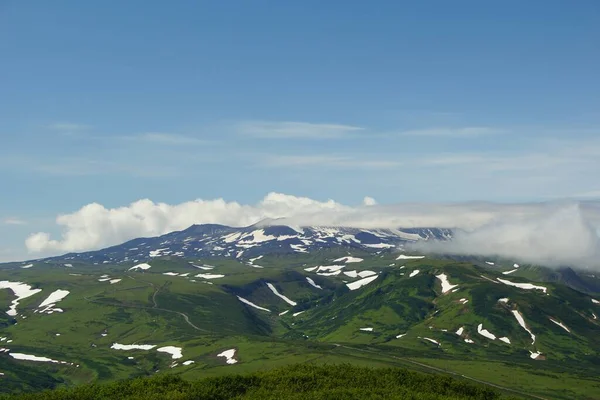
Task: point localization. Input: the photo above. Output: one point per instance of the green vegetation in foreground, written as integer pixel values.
(291, 382)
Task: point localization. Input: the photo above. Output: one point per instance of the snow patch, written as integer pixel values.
(485, 332)
(21, 291)
(560, 324)
(414, 273)
(229, 355)
(446, 286)
(117, 346)
(405, 257)
(362, 282)
(505, 340)
(367, 329)
(251, 304)
(312, 283)
(209, 276)
(50, 302)
(284, 298)
(175, 352)
(143, 266)
(460, 331)
(521, 322)
(349, 259)
(526, 286)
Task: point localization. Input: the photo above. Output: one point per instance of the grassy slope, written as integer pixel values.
(395, 303)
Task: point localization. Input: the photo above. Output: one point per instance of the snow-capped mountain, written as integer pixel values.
(210, 240)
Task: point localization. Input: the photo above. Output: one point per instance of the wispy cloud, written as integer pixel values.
(332, 161)
(14, 221)
(171, 139)
(469, 131)
(295, 130)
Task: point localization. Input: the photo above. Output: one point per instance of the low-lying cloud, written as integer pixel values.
(559, 236)
(546, 233)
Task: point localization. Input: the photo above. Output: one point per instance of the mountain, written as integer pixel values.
(345, 298)
(211, 240)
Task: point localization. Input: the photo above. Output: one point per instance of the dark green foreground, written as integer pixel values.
(292, 382)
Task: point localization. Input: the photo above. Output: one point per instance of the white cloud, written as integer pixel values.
(295, 130)
(369, 201)
(554, 233)
(469, 131)
(553, 236)
(14, 221)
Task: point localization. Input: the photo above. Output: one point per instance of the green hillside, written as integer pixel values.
(449, 316)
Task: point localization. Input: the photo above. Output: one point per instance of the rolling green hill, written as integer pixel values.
(518, 331)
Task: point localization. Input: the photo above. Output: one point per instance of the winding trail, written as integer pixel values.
(154, 307)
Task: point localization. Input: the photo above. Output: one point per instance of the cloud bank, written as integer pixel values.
(547, 233)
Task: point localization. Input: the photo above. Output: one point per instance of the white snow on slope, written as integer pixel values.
(188, 362)
(204, 267)
(175, 352)
(27, 266)
(469, 341)
(366, 272)
(330, 268)
(405, 257)
(509, 272)
(400, 335)
(28, 357)
(21, 291)
(284, 312)
(560, 324)
(489, 263)
(432, 341)
(505, 340)
(349, 259)
(534, 355)
(171, 273)
(362, 282)
(117, 346)
(312, 283)
(367, 329)
(463, 300)
(50, 302)
(231, 237)
(209, 276)
(251, 260)
(112, 281)
(229, 355)
(298, 248)
(310, 269)
(595, 301)
(351, 274)
(460, 331)
(297, 313)
(284, 298)
(446, 286)
(521, 322)
(503, 300)
(414, 273)
(251, 304)
(334, 273)
(526, 286)
(140, 266)
(485, 332)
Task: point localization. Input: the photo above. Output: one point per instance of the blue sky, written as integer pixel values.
(112, 102)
